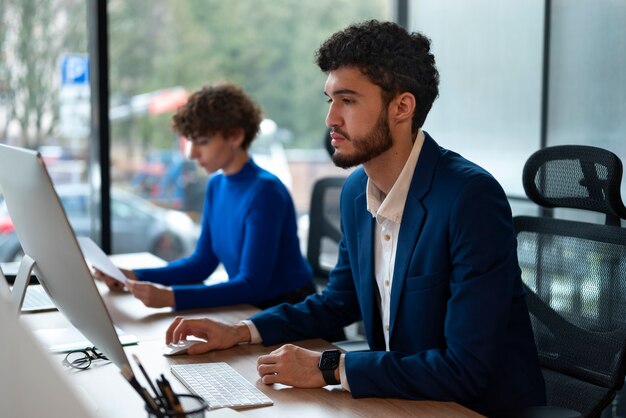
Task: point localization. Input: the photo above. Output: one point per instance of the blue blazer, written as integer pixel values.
(459, 327)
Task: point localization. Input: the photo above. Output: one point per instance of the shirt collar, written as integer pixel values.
(391, 207)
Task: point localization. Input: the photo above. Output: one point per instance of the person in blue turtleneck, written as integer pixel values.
(248, 221)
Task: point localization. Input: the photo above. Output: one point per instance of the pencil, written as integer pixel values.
(145, 374)
(130, 377)
(172, 398)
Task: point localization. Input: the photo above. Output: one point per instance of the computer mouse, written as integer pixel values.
(179, 348)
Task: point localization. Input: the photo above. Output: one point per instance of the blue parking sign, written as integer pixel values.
(74, 69)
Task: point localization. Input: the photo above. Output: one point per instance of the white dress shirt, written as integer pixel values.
(388, 211)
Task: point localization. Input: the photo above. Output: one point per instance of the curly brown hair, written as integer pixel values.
(219, 108)
(392, 58)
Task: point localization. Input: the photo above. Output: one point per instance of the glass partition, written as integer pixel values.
(488, 54)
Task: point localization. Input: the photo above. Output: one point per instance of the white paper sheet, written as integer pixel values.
(96, 258)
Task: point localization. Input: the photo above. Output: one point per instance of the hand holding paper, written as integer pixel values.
(96, 258)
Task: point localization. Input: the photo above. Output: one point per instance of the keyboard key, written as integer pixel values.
(36, 300)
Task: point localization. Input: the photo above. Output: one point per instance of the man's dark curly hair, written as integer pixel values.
(392, 58)
(218, 108)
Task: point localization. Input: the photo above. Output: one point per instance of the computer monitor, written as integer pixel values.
(49, 241)
(31, 384)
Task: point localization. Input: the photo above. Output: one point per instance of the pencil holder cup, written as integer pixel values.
(193, 407)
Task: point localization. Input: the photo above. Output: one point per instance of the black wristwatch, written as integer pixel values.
(329, 361)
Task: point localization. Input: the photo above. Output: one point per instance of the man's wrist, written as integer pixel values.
(243, 333)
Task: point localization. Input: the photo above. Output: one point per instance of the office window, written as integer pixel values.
(161, 51)
(45, 98)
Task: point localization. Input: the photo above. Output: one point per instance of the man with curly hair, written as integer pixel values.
(428, 256)
(248, 220)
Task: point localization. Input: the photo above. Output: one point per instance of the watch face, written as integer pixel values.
(329, 360)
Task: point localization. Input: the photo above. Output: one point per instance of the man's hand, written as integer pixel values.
(218, 335)
(291, 365)
(112, 283)
(151, 294)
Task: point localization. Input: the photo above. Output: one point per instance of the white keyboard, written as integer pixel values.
(220, 385)
(37, 300)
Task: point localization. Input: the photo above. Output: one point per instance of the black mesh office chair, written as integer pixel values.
(323, 244)
(324, 228)
(575, 274)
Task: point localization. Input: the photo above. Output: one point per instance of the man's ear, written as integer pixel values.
(402, 108)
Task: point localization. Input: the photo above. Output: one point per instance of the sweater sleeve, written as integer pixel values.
(260, 247)
(190, 270)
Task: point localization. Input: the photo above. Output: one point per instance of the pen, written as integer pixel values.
(172, 398)
(145, 374)
(130, 377)
(165, 399)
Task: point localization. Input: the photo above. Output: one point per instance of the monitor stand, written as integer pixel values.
(21, 281)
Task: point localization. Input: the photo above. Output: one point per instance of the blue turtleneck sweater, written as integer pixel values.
(249, 225)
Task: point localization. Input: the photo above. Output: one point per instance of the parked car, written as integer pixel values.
(178, 185)
(137, 225)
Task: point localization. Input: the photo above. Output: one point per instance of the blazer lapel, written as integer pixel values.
(409, 234)
(367, 283)
(412, 220)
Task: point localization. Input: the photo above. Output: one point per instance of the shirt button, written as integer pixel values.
(386, 327)
(387, 282)
(387, 237)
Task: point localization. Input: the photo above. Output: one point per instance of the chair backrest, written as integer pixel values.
(578, 177)
(575, 276)
(324, 227)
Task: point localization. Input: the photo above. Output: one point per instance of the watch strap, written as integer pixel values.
(329, 377)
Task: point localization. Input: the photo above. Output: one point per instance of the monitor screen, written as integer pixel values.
(47, 237)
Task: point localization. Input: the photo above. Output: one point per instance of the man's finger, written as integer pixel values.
(270, 379)
(267, 359)
(265, 369)
(181, 331)
(200, 348)
(169, 333)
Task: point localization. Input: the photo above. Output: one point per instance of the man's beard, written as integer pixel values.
(367, 147)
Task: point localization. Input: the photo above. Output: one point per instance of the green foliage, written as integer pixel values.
(266, 46)
(33, 35)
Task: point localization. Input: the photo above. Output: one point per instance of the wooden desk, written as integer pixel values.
(109, 395)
